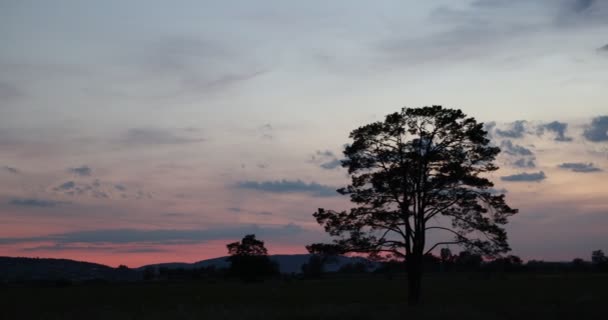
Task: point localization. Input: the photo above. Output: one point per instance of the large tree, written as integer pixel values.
(420, 169)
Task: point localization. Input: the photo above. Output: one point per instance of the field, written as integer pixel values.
(371, 297)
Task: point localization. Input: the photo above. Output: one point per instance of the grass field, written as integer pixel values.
(456, 296)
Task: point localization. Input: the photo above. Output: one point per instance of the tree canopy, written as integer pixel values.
(414, 172)
(249, 259)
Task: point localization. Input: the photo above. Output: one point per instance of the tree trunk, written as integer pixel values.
(414, 280)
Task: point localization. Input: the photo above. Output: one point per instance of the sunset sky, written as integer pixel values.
(135, 132)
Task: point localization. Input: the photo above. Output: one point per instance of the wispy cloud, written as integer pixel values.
(290, 186)
(83, 171)
(326, 160)
(515, 130)
(514, 149)
(11, 170)
(155, 136)
(33, 202)
(157, 236)
(525, 163)
(580, 167)
(525, 177)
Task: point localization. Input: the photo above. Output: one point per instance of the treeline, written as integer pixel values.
(258, 268)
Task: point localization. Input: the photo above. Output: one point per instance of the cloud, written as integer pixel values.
(8, 92)
(32, 202)
(11, 170)
(66, 186)
(74, 247)
(579, 6)
(580, 167)
(489, 127)
(516, 129)
(188, 65)
(158, 236)
(100, 190)
(525, 163)
(260, 213)
(83, 171)
(266, 132)
(525, 177)
(597, 130)
(559, 128)
(155, 136)
(290, 186)
(515, 150)
(326, 160)
(604, 48)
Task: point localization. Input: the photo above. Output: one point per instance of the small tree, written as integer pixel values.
(249, 259)
(408, 171)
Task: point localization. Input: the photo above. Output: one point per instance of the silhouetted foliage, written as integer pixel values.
(314, 268)
(599, 260)
(408, 172)
(468, 261)
(509, 263)
(354, 268)
(578, 265)
(447, 259)
(249, 259)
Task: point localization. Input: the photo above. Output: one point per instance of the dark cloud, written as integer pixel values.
(579, 6)
(525, 177)
(239, 210)
(99, 190)
(326, 160)
(141, 250)
(524, 163)
(604, 48)
(74, 247)
(83, 171)
(580, 167)
(290, 186)
(558, 128)
(516, 129)
(155, 136)
(66, 186)
(333, 164)
(516, 150)
(11, 170)
(174, 214)
(32, 202)
(158, 236)
(8, 92)
(597, 130)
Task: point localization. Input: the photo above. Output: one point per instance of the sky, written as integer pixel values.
(136, 132)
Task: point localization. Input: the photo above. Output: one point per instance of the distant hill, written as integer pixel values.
(288, 263)
(42, 269)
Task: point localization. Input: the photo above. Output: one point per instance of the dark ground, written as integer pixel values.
(570, 296)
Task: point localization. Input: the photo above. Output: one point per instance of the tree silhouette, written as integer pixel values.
(408, 173)
(249, 259)
(599, 260)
